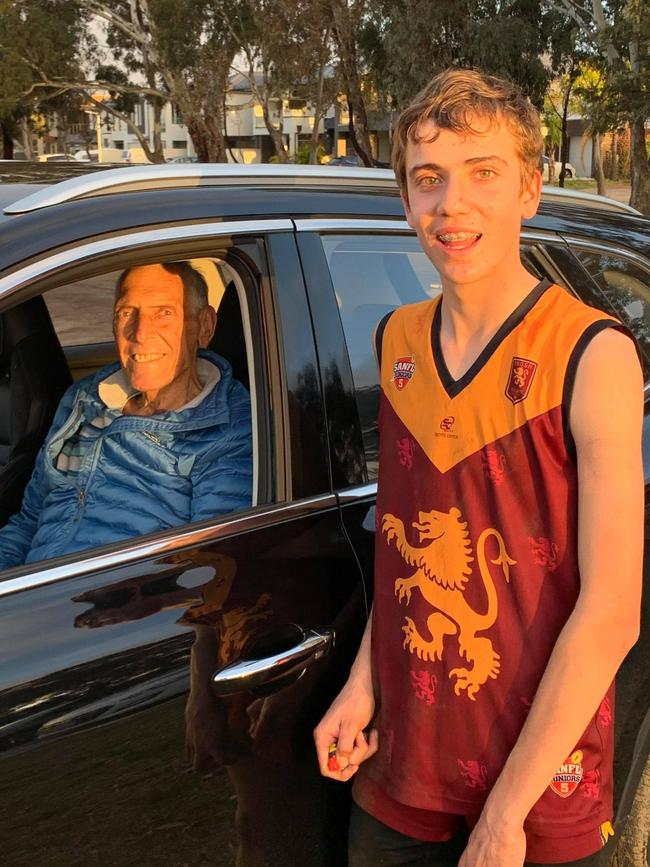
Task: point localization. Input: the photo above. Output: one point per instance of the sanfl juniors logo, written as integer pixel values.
(569, 775)
(403, 370)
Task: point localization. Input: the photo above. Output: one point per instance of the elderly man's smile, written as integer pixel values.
(145, 357)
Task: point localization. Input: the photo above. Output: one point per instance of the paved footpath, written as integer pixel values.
(618, 191)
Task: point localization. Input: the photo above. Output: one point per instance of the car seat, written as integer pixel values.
(33, 376)
(228, 339)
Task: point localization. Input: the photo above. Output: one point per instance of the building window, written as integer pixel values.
(179, 144)
(177, 117)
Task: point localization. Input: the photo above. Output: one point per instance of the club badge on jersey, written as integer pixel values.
(403, 370)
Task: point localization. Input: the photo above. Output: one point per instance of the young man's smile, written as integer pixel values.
(457, 240)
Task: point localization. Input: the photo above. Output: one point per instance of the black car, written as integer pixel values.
(157, 696)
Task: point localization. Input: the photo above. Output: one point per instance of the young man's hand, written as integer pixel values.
(494, 847)
(344, 725)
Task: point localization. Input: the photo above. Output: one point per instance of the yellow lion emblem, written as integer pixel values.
(443, 568)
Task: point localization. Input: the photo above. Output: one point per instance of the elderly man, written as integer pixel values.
(158, 440)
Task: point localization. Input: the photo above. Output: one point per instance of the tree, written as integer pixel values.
(589, 84)
(348, 19)
(620, 32)
(264, 33)
(421, 38)
(180, 49)
(33, 35)
(287, 50)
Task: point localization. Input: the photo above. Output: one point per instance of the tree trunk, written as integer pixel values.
(7, 144)
(597, 167)
(319, 111)
(344, 35)
(275, 133)
(26, 135)
(207, 139)
(614, 174)
(564, 146)
(158, 155)
(62, 134)
(640, 195)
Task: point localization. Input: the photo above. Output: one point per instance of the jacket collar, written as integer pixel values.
(115, 390)
(214, 409)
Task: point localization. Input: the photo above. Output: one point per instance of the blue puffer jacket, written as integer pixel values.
(142, 474)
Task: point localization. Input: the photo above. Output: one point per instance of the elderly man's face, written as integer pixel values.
(156, 337)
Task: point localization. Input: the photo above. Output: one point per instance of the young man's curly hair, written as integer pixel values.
(462, 100)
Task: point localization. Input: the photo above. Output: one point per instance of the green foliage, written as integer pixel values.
(37, 38)
(301, 157)
(411, 40)
(124, 102)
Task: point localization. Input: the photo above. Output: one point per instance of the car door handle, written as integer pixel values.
(247, 674)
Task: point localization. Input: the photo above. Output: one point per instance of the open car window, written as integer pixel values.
(73, 339)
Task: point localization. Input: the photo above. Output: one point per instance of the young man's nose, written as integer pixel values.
(453, 197)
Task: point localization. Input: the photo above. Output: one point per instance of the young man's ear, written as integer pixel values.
(207, 324)
(531, 195)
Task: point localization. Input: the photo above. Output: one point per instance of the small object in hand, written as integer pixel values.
(332, 761)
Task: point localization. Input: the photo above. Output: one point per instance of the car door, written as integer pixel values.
(117, 744)
(609, 275)
(359, 270)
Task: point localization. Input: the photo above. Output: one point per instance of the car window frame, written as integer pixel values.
(532, 242)
(571, 243)
(55, 269)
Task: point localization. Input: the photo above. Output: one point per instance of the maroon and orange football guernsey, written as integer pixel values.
(476, 565)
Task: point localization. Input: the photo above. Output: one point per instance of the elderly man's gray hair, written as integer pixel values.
(194, 286)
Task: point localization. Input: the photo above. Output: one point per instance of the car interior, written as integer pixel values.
(33, 376)
(43, 350)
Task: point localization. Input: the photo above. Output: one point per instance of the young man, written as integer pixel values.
(508, 557)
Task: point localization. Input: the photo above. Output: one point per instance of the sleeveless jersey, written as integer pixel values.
(476, 566)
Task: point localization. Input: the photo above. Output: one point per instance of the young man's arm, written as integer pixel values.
(606, 419)
(349, 715)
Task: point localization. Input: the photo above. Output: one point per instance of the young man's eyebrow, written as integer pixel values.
(434, 167)
(488, 158)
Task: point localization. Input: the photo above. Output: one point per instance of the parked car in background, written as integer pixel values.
(55, 158)
(219, 645)
(569, 171)
(183, 159)
(354, 160)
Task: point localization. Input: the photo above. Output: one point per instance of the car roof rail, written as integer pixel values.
(577, 197)
(150, 177)
(138, 177)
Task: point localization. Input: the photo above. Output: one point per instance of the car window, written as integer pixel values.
(622, 287)
(82, 310)
(372, 275)
(174, 488)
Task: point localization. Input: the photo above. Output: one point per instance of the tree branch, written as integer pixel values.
(569, 7)
(102, 11)
(97, 84)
